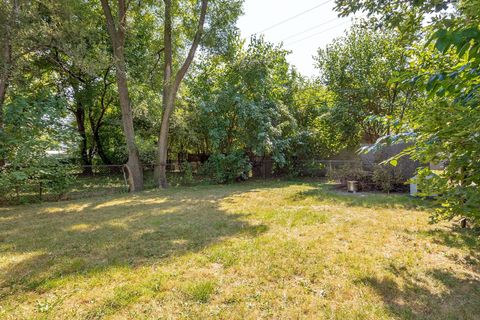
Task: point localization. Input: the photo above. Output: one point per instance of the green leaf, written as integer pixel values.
(442, 44)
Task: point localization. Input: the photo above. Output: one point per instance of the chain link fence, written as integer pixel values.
(96, 180)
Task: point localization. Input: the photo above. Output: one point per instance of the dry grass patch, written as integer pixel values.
(278, 250)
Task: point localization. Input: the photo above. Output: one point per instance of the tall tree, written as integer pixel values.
(172, 83)
(358, 68)
(8, 19)
(447, 129)
(77, 56)
(117, 32)
(242, 100)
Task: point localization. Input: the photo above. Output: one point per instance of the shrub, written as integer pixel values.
(55, 179)
(456, 200)
(31, 128)
(227, 168)
(388, 178)
(10, 182)
(45, 176)
(351, 172)
(309, 168)
(187, 173)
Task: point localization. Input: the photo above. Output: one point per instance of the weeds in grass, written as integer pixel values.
(200, 291)
(255, 250)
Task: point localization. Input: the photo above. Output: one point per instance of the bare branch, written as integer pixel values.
(156, 62)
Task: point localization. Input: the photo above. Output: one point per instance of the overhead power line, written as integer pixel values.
(309, 29)
(293, 17)
(318, 33)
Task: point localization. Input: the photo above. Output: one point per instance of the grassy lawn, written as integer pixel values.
(273, 250)
(89, 186)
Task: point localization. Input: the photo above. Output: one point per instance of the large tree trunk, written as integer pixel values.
(117, 37)
(101, 152)
(86, 160)
(6, 67)
(160, 173)
(95, 124)
(134, 164)
(3, 91)
(6, 52)
(170, 86)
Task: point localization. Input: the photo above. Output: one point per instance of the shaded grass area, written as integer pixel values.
(89, 186)
(273, 250)
(330, 193)
(92, 186)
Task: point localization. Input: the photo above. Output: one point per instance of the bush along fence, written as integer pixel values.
(57, 180)
(374, 171)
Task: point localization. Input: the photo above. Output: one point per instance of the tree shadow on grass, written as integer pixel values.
(329, 193)
(439, 293)
(54, 241)
(467, 240)
(454, 297)
(455, 237)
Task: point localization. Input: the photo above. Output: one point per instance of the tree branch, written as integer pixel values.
(122, 21)
(102, 101)
(112, 30)
(58, 61)
(156, 62)
(167, 39)
(191, 53)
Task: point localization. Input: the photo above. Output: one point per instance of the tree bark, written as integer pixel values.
(101, 152)
(3, 90)
(117, 37)
(95, 124)
(6, 67)
(171, 85)
(162, 151)
(3, 93)
(86, 160)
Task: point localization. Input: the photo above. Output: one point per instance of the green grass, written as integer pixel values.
(200, 291)
(90, 186)
(271, 250)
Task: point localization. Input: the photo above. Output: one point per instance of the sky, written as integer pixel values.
(302, 35)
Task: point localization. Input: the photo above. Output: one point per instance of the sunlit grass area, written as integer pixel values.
(272, 250)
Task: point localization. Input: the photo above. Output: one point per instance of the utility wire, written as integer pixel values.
(293, 17)
(309, 29)
(318, 33)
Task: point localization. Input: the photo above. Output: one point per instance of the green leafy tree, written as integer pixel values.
(361, 70)
(242, 99)
(196, 21)
(447, 129)
(25, 28)
(317, 133)
(33, 126)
